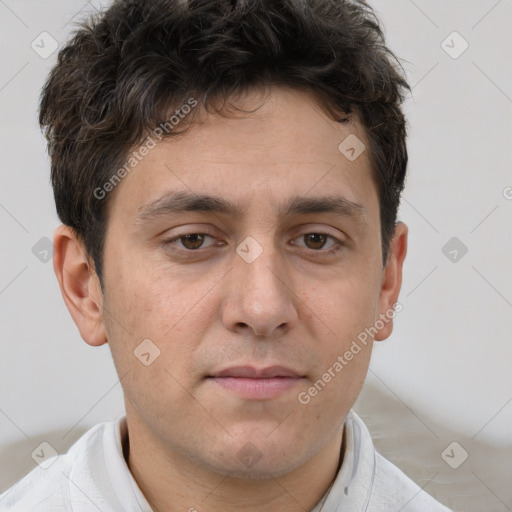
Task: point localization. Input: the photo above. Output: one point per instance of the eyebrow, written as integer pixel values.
(179, 202)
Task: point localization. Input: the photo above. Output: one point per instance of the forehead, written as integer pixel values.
(286, 146)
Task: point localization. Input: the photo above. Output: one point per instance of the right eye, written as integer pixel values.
(189, 242)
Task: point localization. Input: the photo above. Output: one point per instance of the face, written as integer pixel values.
(248, 252)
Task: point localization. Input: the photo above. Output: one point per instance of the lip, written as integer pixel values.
(257, 384)
(254, 373)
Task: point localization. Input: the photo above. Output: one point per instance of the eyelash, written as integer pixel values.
(169, 243)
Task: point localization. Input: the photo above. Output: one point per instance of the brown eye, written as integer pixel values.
(193, 241)
(190, 242)
(315, 240)
(318, 243)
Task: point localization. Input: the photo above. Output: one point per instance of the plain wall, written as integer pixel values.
(445, 374)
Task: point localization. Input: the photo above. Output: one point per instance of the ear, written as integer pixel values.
(392, 280)
(79, 285)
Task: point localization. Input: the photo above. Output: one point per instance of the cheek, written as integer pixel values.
(336, 383)
(175, 316)
(343, 313)
(146, 305)
(346, 307)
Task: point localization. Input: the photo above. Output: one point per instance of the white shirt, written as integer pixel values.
(93, 475)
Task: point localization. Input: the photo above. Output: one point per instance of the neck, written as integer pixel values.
(171, 482)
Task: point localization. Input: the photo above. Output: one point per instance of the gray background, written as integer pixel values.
(445, 374)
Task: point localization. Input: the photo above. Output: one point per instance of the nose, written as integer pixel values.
(259, 298)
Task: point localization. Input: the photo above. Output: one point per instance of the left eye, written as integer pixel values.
(317, 241)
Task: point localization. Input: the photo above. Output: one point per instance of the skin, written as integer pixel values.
(294, 305)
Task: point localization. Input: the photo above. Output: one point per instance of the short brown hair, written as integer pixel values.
(126, 68)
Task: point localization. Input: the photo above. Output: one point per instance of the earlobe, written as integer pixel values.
(79, 285)
(392, 280)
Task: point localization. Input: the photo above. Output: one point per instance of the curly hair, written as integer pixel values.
(125, 69)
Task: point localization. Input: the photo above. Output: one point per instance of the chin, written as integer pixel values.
(257, 458)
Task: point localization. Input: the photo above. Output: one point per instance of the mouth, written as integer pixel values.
(257, 384)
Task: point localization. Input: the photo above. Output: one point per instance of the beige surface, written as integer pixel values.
(412, 441)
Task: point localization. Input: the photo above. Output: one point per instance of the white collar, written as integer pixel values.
(353, 485)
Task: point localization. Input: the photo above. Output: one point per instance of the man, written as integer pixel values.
(228, 176)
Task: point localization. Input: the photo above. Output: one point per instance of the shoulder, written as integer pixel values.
(383, 486)
(367, 481)
(393, 490)
(48, 487)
